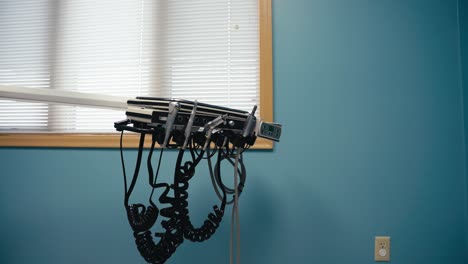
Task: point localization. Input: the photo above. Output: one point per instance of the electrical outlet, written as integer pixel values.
(382, 248)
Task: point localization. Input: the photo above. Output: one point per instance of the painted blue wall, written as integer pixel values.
(463, 18)
(368, 93)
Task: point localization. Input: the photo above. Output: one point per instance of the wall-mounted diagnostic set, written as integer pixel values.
(200, 133)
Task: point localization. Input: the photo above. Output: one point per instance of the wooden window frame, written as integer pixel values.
(111, 140)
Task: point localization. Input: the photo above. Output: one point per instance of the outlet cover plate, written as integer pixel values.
(382, 248)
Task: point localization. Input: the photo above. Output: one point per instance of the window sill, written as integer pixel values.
(63, 140)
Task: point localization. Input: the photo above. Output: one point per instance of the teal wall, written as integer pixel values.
(463, 18)
(369, 95)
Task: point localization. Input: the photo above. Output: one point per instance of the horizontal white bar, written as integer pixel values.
(62, 97)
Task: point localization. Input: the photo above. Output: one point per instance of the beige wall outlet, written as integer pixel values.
(382, 248)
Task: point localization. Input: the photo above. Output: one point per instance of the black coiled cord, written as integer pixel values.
(183, 174)
(141, 219)
(177, 224)
(169, 241)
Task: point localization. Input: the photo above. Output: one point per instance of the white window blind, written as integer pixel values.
(24, 60)
(206, 50)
